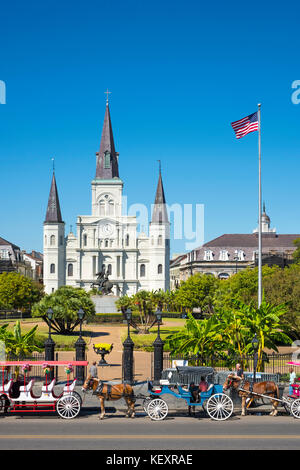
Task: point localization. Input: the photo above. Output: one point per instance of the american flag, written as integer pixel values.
(245, 125)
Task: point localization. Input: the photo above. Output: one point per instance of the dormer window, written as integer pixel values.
(208, 255)
(239, 255)
(224, 255)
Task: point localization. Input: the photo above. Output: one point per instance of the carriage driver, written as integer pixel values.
(238, 373)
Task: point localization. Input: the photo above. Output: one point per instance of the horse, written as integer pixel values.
(264, 388)
(110, 392)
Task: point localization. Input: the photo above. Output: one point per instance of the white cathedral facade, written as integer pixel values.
(106, 239)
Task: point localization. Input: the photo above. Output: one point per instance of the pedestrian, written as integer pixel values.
(93, 370)
(203, 385)
(292, 380)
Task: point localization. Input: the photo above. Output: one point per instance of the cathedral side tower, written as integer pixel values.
(54, 243)
(159, 234)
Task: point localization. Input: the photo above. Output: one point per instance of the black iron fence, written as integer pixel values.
(13, 315)
(272, 363)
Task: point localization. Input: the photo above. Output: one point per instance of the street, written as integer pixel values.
(176, 432)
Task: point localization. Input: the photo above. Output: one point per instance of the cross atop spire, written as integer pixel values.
(107, 93)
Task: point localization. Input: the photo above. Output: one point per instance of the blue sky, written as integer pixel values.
(179, 73)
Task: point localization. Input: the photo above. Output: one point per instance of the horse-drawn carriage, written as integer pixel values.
(17, 398)
(217, 404)
(249, 390)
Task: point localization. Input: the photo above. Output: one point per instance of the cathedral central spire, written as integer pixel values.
(107, 157)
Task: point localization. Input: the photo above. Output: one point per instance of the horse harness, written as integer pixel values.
(109, 393)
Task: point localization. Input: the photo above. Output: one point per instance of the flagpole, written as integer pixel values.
(259, 211)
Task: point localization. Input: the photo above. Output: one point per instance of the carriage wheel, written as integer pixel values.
(2, 403)
(287, 404)
(157, 409)
(295, 408)
(219, 407)
(68, 407)
(146, 403)
(78, 396)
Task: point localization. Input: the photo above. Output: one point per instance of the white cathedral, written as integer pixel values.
(106, 239)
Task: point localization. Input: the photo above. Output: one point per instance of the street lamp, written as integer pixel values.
(50, 316)
(158, 315)
(81, 315)
(80, 349)
(127, 360)
(49, 343)
(255, 344)
(236, 258)
(128, 315)
(158, 346)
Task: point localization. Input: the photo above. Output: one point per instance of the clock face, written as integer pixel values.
(106, 229)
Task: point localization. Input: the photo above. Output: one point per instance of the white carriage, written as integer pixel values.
(66, 404)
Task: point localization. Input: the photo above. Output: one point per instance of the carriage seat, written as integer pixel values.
(208, 392)
(49, 388)
(70, 388)
(6, 387)
(26, 391)
(183, 392)
(28, 387)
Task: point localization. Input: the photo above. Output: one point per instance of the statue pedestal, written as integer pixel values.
(105, 303)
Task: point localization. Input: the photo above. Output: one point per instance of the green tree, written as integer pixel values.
(283, 287)
(242, 286)
(65, 303)
(18, 291)
(198, 292)
(296, 254)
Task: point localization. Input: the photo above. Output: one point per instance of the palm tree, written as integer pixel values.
(266, 322)
(17, 344)
(199, 337)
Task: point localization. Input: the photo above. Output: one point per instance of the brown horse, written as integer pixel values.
(110, 392)
(263, 388)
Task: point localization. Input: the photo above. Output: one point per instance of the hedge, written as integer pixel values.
(118, 317)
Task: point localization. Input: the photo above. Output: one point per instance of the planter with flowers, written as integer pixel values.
(102, 349)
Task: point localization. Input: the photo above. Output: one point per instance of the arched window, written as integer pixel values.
(111, 207)
(106, 243)
(52, 240)
(109, 269)
(159, 269)
(70, 269)
(102, 207)
(223, 276)
(85, 239)
(127, 239)
(52, 268)
(142, 270)
(159, 240)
